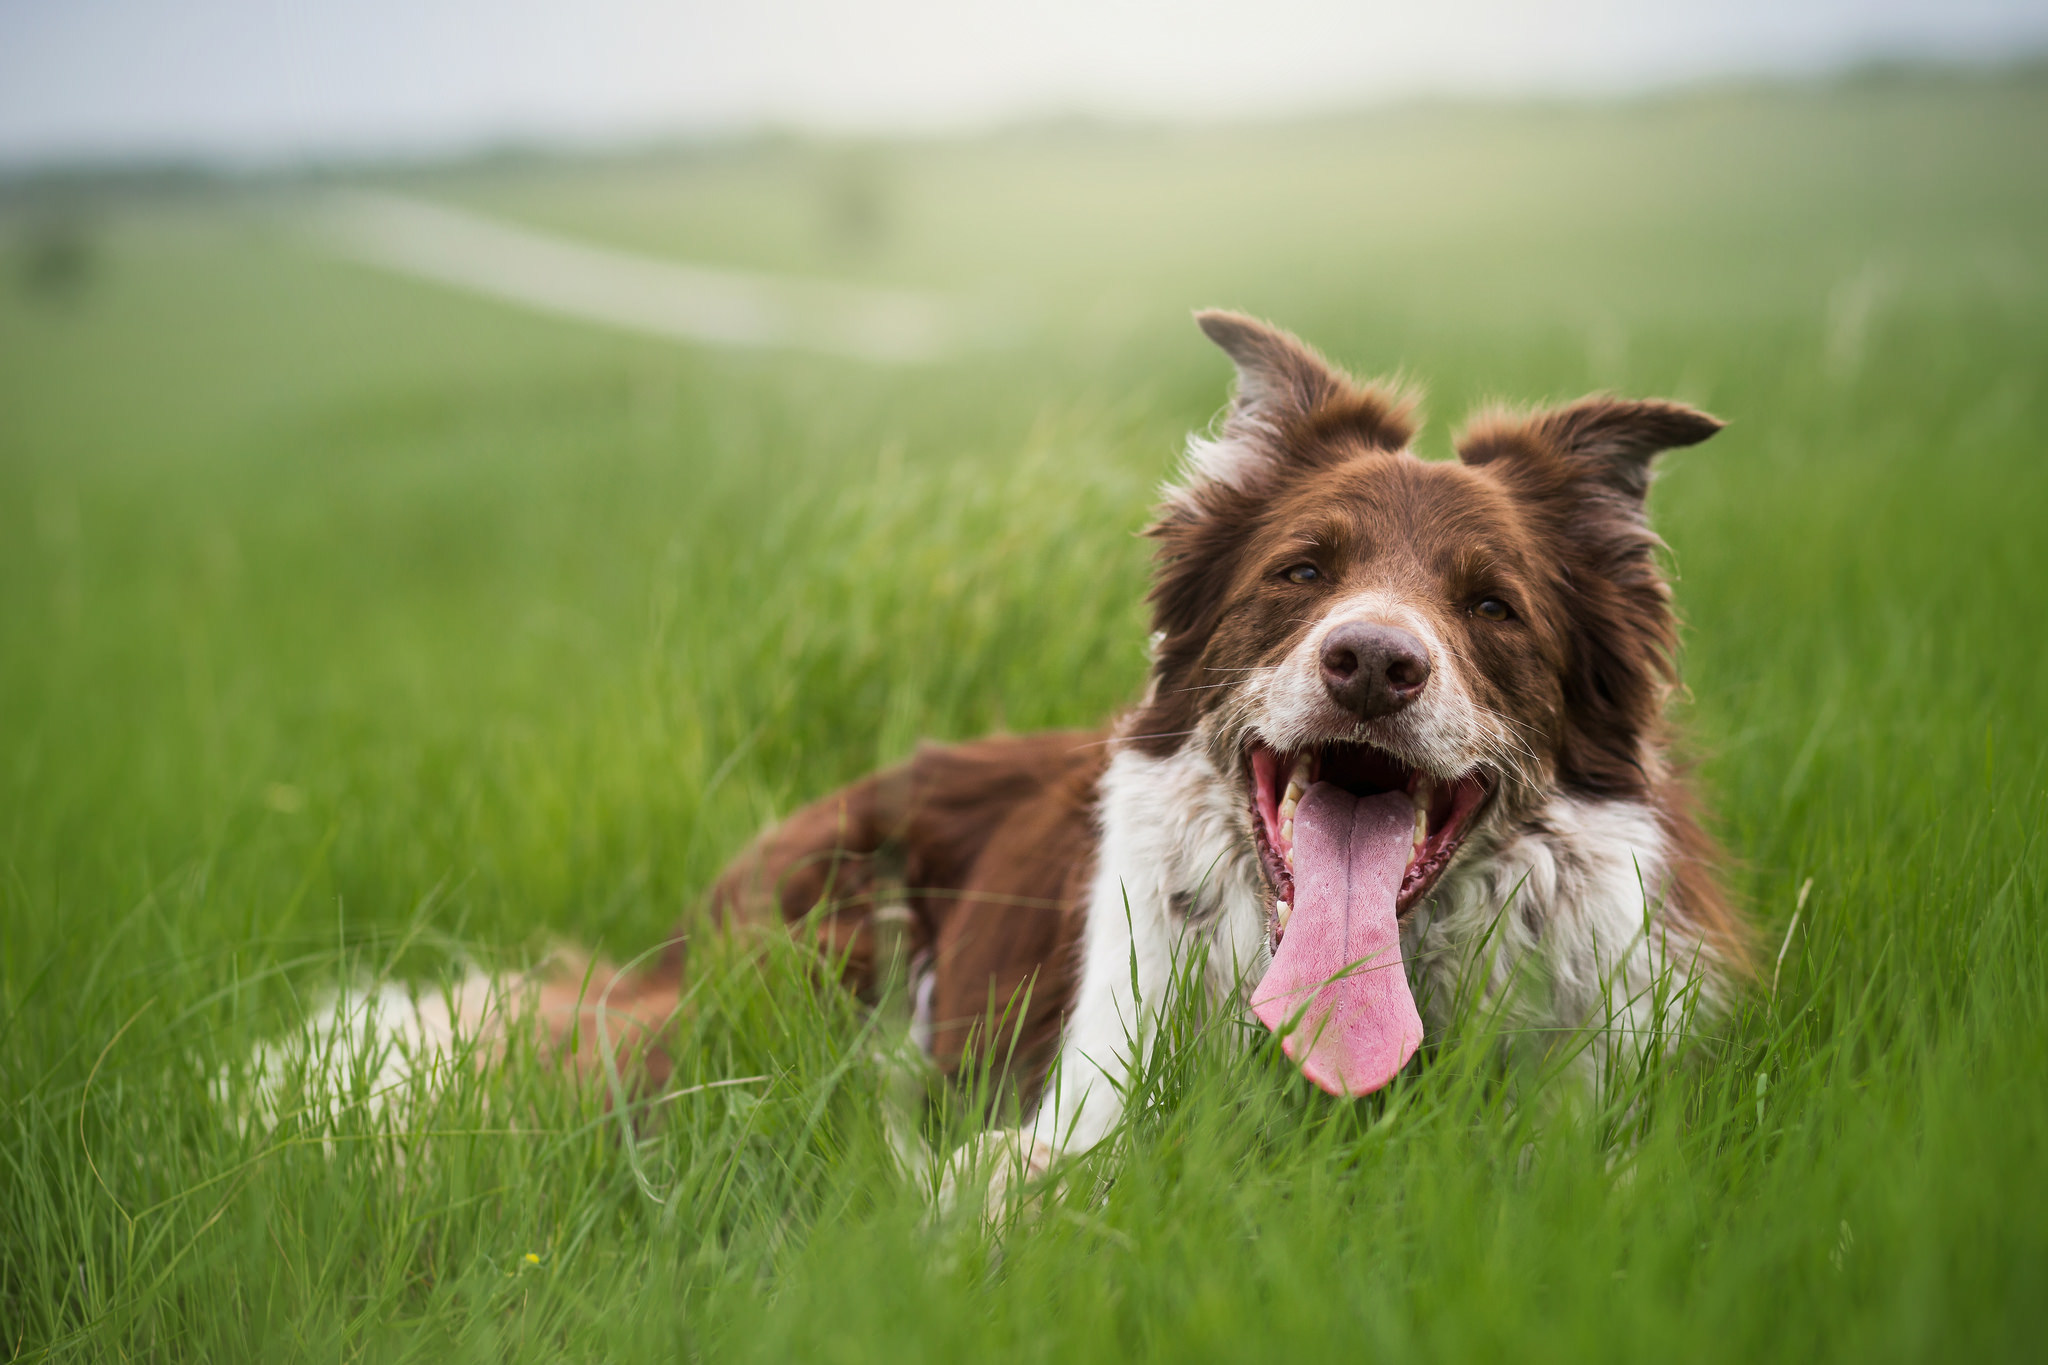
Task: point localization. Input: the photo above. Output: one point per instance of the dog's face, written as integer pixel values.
(1475, 634)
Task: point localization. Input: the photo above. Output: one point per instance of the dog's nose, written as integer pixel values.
(1373, 670)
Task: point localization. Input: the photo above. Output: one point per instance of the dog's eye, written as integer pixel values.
(1303, 573)
(1491, 609)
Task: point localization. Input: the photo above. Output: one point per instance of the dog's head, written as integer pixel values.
(1474, 634)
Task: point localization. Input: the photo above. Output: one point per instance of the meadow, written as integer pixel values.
(354, 626)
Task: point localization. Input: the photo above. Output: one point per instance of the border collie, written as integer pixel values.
(1403, 735)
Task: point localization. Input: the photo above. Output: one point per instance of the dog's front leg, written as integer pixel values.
(1126, 970)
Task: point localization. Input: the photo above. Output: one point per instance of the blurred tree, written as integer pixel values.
(58, 256)
(856, 196)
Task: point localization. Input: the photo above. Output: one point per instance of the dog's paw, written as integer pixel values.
(993, 1167)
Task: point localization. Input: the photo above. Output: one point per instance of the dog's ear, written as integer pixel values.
(1289, 401)
(1278, 374)
(1581, 472)
(1606, 442)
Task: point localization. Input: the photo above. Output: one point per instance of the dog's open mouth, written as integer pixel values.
(1350, 838)
(1443, 812)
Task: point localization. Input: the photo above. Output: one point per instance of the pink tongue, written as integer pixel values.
(1341, 953)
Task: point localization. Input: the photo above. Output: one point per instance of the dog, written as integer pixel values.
(1405, 720)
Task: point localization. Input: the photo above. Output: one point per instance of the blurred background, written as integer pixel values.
(248, 81)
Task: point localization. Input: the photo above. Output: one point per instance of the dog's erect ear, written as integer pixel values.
(1278, 374)
(1288, 400)
(1606, 440)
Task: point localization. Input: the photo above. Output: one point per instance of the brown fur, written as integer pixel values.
(983, 844)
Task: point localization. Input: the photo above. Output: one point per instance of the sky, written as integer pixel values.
(271, 80)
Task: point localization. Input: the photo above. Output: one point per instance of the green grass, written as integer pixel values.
(347, 624)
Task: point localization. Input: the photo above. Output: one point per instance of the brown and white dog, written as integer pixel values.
(1405, 719)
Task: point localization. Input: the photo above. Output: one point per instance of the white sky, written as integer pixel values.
(262, 79)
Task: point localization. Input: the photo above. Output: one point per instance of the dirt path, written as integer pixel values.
(637, 293)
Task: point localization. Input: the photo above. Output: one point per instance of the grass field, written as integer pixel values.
(348, 625)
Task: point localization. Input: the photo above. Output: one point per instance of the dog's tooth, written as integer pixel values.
(1293, 793)
(1425, 793)
(1287, 807)
(1299, 776)
(1281, 911)
(1287, 833)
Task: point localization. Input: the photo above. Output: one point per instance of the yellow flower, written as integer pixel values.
(532, 1259)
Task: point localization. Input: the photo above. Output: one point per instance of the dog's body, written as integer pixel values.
(1403, 736)
(1490, 638)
